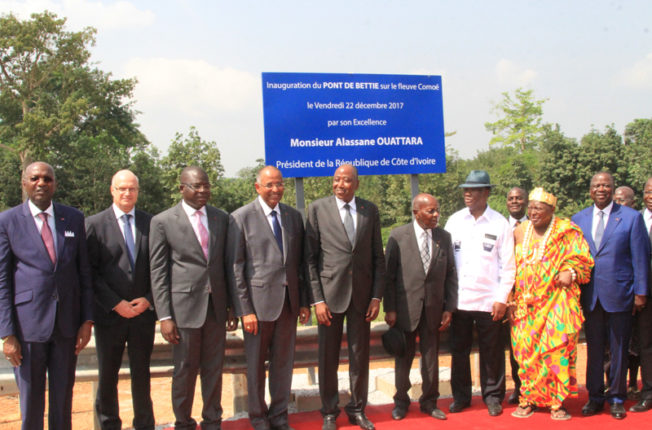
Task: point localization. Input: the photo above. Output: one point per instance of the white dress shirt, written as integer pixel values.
(596, 218)
(484, 257)
(39, 223)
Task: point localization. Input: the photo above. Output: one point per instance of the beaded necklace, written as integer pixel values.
(539, 251)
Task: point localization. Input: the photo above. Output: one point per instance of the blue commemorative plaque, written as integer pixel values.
(382, 124)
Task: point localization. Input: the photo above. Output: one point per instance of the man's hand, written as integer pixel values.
(564, 279)
(390, 318)
(140, 305)
(304, 315)
(639, 303)
(323, 313)
(372, 310)
(498, 311)
(250, 323)
(169, 331)
(12, 351)
(83, 336)
(125, 309)
(446, 319)
(231, 320)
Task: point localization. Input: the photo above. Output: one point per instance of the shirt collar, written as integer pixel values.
(266, 207)
(484, 214)
(35, 210)
(119, 213)
(418, 230)
(190, 211)
(606, 210)
(341, 203)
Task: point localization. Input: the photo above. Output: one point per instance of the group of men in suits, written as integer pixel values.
(196, 269)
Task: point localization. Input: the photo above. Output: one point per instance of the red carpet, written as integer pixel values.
(475, 417)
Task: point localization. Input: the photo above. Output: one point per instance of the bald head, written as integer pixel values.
(124, 190)
(345, 182)
(517, 202)
(195, 187)
(39, 184)
(624, 196)
(426, 210)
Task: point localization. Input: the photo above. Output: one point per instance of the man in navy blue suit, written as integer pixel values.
(620, 248)
(46, 298)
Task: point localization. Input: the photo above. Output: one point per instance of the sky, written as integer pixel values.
(199, 63)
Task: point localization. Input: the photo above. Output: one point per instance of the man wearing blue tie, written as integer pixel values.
(620, 248)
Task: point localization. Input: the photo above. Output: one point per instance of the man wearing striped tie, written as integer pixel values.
(420, 297)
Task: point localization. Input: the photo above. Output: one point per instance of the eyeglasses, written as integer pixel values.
(271, 185)
(198, 187)
(122, 190)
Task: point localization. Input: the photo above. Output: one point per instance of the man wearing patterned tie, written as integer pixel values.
(46, 298)
(187, 246)
(269, 290)
(618, 288)
(346, 266)
(118, 249)
(420, 296)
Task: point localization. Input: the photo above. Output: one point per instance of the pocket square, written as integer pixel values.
(69, 233)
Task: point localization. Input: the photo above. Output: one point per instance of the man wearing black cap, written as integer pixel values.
(484, 256)
(420, 296)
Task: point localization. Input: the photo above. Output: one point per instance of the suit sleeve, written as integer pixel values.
(106, 297)
(6, 283)
(159, 257)
(392, 258)
(378, 257)
(640, 251)
(313, 250)
(237, 261)
(85, 276)
(450, 286)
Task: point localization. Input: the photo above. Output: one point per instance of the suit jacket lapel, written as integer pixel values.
(186, 230)
(612, 223)
(139, 232)
(262, 218)
(337, 219)
(60, 223)
(362, 217)
(213, 228)
(112, 222)
(285, 228)
(435, 249)
(33, 234)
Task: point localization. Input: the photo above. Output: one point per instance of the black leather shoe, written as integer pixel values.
(495, 409)
(456, 407)
(642, 406)
(398, 413)
(618, 411)
(329, 423)
(591, 408)
(513, 398)
(435, 413)
(362, 421)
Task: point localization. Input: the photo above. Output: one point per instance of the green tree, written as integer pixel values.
(520, 121)
(192, 150)
(56, 107)
(637, 154)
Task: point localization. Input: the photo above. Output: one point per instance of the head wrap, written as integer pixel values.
(540, 195)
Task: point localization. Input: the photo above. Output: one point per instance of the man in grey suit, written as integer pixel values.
(269, 291)
(420, 298)
(187, 261)
(347, 278)
(118, 251)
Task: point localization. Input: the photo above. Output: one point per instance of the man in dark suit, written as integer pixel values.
(269, 291)
(46, 298)
(644, 317)
(347, 278)
(420, 298)
(187, 263)
(621, 250)
(118, 249)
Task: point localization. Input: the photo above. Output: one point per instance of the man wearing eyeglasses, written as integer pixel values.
(118, 249)
(187, 264)
(269, 290)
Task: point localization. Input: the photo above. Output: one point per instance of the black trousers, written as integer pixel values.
(644, 325)
(110, 341)
(492, 356)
